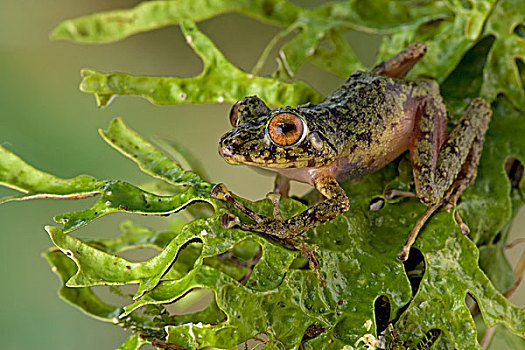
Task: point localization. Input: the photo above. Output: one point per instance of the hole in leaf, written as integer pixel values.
(472, 305)
(466, 4)
(139, 254)
(239, 262)
(429, 339)
(382, 313)
(115, 295)
(514, 169)
(415, 269)
(519, 30)
(376, 204)
(521, 70)
(313, 331)
(255, 343)
(497, 238)
(161, 315)
(185, 259)
(194, 300)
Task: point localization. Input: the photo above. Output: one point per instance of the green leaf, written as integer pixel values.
(147, 157)
(17, 174)
(116, 25)
(219, 82)
(501, 74)
(133, 237)
(493, 262)
(357, 262)
(447, 37)
(133, 343)
(260, 286)
(503, 339)
(82, 298)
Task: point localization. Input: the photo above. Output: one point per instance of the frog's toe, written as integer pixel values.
(464, 228)
(229, 221)
(403, 254)
(220, 192)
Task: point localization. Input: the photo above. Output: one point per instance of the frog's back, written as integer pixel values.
(365, 118)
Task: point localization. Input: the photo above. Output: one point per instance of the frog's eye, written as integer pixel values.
(286, 129)
(234, 118)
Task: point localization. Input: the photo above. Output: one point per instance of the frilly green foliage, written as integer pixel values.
(259, 285)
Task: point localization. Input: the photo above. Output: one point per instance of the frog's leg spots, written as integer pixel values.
(336, 203)
(275, 197)
(442, 179)
(399, 65)
(459, 157)
(473, 124)
(429, 135)
(219, 191)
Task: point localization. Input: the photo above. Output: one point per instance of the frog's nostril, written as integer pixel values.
(233, 142)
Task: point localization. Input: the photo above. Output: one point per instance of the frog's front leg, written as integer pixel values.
(335, 204)
(281, 185)
(443, 167)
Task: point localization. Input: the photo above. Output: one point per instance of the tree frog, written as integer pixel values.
(362, 126)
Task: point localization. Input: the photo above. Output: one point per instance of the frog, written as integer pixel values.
(373, 118)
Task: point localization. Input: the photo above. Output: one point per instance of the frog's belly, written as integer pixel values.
(353, 165)
(300, 174)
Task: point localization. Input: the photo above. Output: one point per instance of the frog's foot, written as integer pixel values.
(452, 204)
(263, 224)
(275, 197)
(269, 226)
(399, 65)
(307, 251)
(219, 191)
(403, 254)
(336, 203)
(464, 228)
(392, 193)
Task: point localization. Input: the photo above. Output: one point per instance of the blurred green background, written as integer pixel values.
(47, 121)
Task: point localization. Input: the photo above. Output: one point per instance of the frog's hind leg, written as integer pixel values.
(459, 156)
(442, 176)
(399, 65)
(478, 113)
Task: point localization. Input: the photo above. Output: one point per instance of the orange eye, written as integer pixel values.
(233, 114)
(286, 129)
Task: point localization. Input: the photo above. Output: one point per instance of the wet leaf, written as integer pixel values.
(501, 74)
(150, 15)
(82, 298)
(260, 285)
(219, 81)
(17, 174)
(132, 343)
(147, 157)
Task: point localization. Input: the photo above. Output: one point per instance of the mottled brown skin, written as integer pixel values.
(365, 124)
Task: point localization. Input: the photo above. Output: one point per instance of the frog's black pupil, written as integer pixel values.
(285, 128)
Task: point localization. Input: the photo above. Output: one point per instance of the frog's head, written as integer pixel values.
(280, 138)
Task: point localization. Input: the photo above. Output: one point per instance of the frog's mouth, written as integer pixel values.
(229, 157)
(238, 159)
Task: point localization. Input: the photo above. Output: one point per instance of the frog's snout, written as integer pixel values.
(227, 149)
